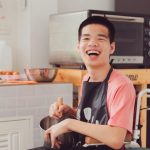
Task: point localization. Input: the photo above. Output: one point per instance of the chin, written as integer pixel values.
(94, 65)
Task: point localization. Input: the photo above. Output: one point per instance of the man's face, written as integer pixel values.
(94, 45)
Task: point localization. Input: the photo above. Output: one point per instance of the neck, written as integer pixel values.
(98, 74)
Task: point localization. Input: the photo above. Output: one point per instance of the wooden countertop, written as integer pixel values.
(15, 82)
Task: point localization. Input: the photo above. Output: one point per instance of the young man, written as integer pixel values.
(106, 107)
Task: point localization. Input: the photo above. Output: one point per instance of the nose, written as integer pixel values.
(93, 43)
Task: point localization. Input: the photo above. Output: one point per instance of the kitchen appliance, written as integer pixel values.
(132, 38)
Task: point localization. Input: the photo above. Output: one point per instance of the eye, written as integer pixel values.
(102, 38)
(85, 38)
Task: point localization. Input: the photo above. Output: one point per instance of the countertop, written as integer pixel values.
(13, 83)
(16, 82)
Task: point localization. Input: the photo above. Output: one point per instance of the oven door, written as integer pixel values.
(129, 40)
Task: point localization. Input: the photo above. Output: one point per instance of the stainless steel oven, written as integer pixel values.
(132, 38)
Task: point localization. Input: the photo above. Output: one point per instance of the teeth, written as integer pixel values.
(93, 52)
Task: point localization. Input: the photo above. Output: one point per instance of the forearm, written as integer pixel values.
(111, 136)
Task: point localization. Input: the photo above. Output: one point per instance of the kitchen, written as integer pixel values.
(29, 43)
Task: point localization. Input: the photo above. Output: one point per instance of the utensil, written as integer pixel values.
(41, 74)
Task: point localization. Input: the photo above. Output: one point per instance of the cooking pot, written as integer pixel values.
(68, 140)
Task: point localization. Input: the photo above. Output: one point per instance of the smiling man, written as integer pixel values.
(106, 106)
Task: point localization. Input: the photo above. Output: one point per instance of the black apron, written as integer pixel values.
(93, 106)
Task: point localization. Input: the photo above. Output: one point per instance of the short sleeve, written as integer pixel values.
(121, 103)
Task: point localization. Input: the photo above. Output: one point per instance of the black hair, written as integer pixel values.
(98, 20)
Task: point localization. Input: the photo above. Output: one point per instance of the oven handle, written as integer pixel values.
(125, 18)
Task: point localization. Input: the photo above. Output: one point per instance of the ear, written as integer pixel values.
(112, 47)
(78, 46)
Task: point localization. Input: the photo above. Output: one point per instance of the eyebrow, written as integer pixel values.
(100, 35)
(85, 34)
(103, 35)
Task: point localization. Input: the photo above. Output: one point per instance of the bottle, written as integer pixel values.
(5, 57)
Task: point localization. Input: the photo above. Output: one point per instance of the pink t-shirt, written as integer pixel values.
(120, 100)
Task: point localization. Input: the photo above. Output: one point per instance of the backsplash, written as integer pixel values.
(33, 100)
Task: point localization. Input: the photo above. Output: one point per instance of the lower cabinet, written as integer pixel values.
(16, 133)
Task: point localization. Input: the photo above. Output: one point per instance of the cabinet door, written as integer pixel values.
(16, 135)
(4, 141)
(9, 141)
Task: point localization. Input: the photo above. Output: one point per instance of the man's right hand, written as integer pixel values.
(58, 108)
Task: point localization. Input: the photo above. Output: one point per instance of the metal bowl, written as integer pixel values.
(41, 74)
(68, 140)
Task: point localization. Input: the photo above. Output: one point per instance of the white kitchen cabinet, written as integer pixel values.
(16, 133)
(33, 33)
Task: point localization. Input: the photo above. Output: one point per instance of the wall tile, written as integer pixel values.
(8, 91)
(26, 90)
(7, 113)
(11, 102)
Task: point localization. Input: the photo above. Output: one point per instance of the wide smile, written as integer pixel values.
(93, 52)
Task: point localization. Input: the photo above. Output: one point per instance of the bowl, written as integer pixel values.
(41, 74)
(68, 140)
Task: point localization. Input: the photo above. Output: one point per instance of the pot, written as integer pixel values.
(68, 140)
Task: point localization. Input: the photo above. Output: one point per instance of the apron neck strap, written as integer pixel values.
(109, 73)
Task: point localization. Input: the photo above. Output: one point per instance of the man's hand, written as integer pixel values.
(58, 108)
(54, 131)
